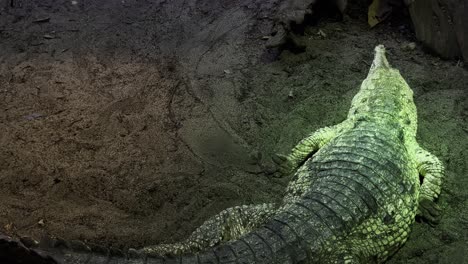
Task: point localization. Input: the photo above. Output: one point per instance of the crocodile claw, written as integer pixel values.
(429, 211)
(284, 165)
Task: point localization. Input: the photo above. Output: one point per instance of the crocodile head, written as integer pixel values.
(385, 97)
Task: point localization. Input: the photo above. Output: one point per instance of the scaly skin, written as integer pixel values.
(353, 198)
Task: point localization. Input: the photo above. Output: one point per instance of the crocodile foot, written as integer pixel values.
(429, 211)
(284, 165)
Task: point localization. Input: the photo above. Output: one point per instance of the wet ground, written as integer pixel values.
(129, 123)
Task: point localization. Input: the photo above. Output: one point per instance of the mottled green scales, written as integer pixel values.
(355, 193)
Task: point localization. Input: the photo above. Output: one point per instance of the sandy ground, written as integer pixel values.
(129, 123)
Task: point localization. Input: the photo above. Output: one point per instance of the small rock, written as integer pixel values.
(33, 116)
(265, 37)
(290, 94)
(321, 33)
(288, 69)
(41, 222)
(47, 36)
(8, 227)
(227, 71)
(408, 46)
(28, 241)
(42, 20)
(412, 45)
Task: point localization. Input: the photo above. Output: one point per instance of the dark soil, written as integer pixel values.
(129, 123)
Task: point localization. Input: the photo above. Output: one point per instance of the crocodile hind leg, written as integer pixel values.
(229, 224)
(305, 148)
(432, 171)
(343, 254)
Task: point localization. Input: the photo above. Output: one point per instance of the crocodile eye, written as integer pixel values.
(361, 118)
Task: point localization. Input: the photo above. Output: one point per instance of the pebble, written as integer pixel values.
(408, 46)
(28, 241)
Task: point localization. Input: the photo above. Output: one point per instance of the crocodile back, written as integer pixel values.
(358, 191)
(364, 169)
(361, 187)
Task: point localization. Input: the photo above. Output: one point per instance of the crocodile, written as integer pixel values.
(356, 190)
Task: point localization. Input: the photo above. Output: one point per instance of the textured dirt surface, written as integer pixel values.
(128, 123)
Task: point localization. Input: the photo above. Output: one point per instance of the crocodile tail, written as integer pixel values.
(275, 242)
(58, 251)
(285, 238)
